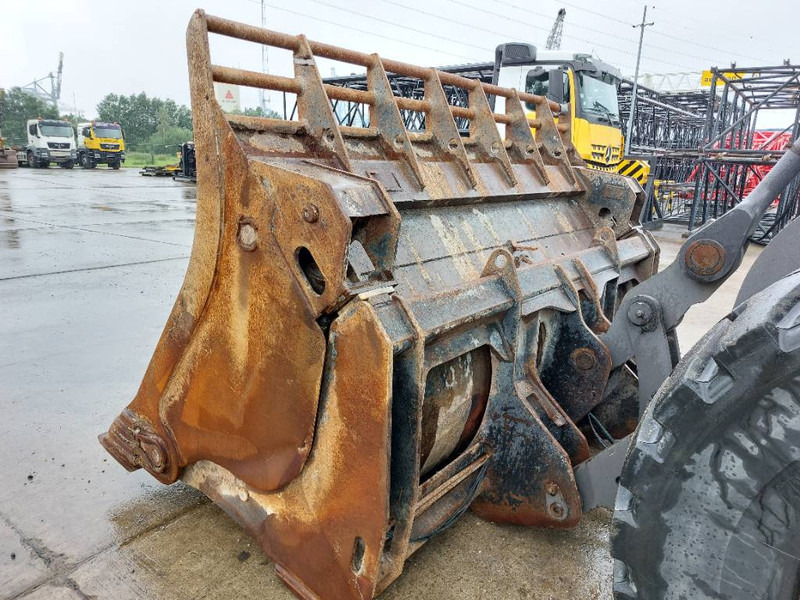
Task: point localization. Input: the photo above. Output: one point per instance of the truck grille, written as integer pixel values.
(109, 146)
(58, 145)
(602, 153)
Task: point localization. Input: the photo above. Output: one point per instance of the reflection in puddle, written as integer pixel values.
(10, 237)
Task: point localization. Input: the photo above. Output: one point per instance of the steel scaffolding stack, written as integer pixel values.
(663, 121)
(355, 114)
(732, 157)
(722, 160)
(667, 130)
(702, 145)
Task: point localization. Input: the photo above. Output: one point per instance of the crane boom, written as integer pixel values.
(554, 39)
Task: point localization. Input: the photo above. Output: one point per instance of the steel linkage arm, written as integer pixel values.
(705, 261)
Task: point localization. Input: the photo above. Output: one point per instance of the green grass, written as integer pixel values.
(142, 159)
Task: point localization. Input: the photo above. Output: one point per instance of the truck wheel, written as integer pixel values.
(709, 498)
(86, 162)
(115, 165)
(67, 165)
(32, 161)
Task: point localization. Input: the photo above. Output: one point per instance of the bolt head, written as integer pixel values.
(551, 488)
(556, 509)
(310, 213)
(640, 313)
(584, 358)
(247, 235)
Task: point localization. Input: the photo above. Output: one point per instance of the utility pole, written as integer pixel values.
(264, 59)
(629, 133)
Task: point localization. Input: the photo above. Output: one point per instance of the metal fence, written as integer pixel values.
(704, 171)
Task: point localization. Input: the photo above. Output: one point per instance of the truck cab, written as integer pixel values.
(49, 141)
(101, 143)
(588, 85)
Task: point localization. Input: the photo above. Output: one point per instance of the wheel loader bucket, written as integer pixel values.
(379, 329)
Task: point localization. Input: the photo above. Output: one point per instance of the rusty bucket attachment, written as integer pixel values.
(379, 329)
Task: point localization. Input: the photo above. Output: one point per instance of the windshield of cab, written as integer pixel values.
(56, 129)
(598, 99)
(108, 131)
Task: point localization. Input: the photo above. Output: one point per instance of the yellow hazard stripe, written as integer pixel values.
(634, 171)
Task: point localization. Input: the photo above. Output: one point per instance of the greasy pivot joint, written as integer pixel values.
(705, 259)
(644, 312)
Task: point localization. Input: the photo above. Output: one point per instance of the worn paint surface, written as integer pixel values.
(378, 329)
(92, 262)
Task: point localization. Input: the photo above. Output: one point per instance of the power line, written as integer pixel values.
(592, 43)
(505, 35)
(714, 48)
(654, 32)
(584, 40)
(620, 21)
(673, 51)
(364, 31)
(393, 24)
(733, 35)
(502, 35)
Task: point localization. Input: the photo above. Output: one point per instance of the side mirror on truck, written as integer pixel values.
(86, 132)
(556, 91)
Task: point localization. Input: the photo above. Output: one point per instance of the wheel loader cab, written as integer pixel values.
(588, 86)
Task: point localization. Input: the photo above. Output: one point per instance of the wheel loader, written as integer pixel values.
(380, 329)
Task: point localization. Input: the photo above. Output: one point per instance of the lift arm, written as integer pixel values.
(704, 262)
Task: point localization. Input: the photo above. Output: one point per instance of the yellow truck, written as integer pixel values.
(589, 85)
(100, 143)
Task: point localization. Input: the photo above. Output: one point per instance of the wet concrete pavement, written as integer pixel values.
(90, 263)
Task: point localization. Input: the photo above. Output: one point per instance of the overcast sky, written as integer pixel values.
(140, 46)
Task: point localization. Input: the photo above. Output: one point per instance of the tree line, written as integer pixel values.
(147, 121)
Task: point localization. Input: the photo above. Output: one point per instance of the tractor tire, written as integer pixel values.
(67, 165)
(709, 499)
